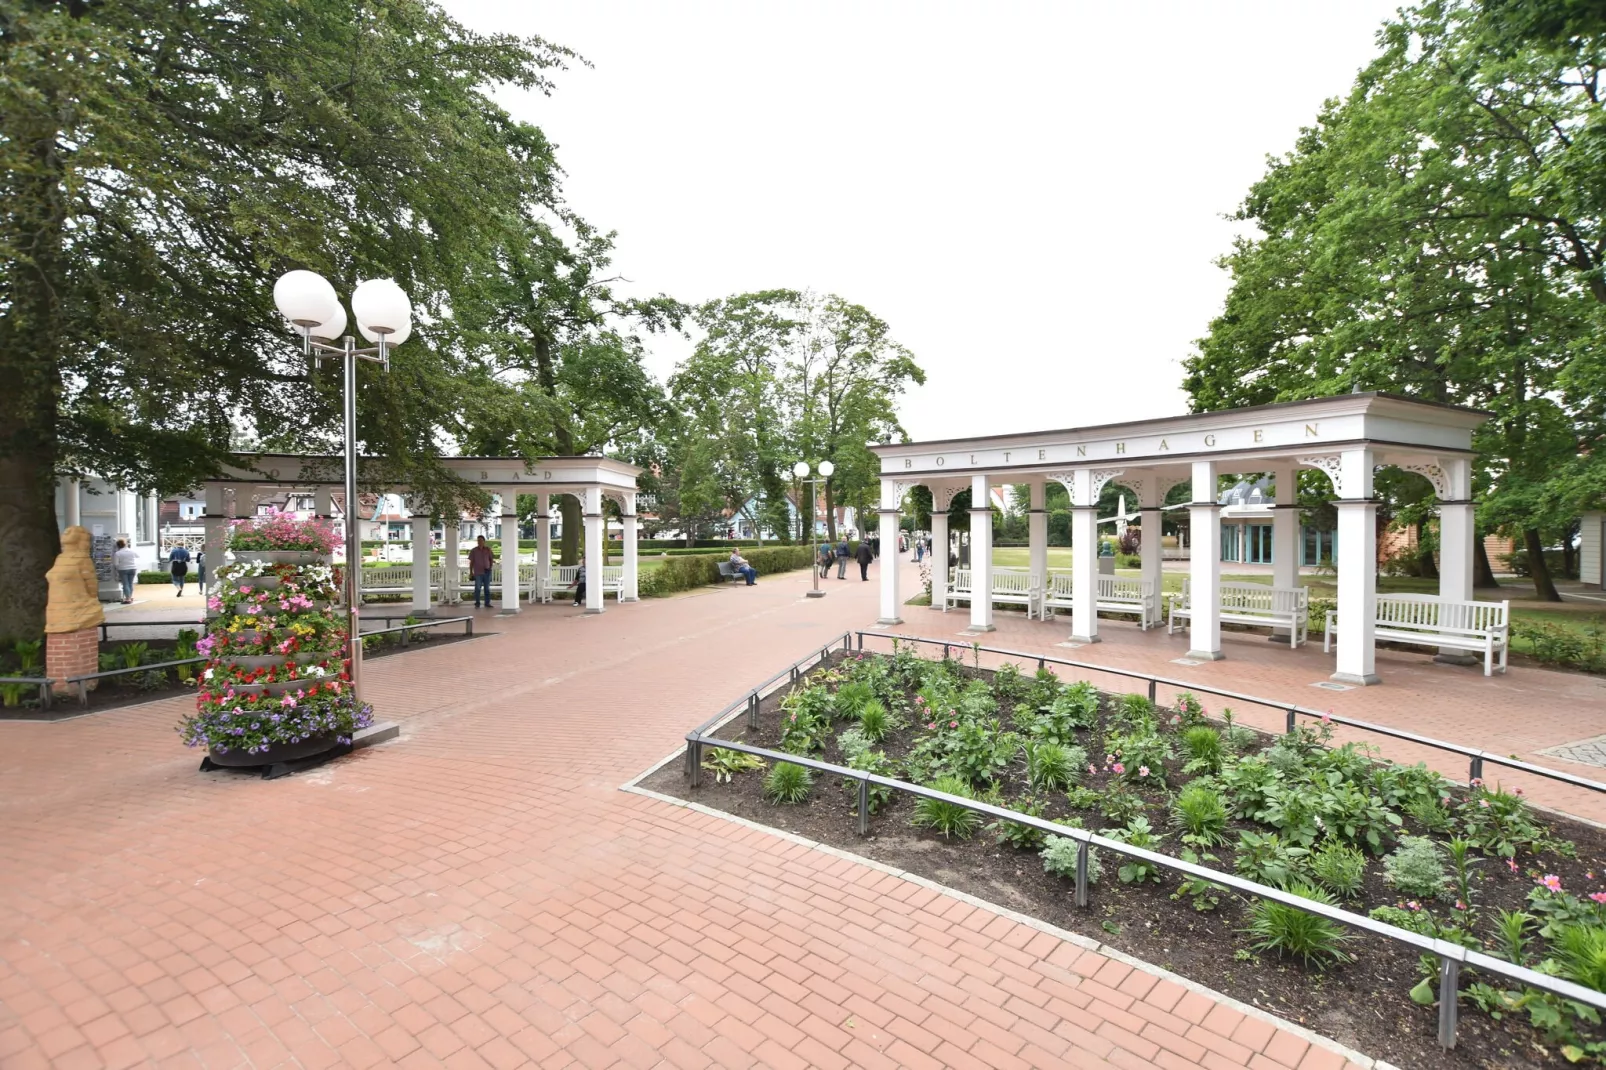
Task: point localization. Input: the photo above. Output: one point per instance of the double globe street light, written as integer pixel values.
(384, 317)
(801, 470)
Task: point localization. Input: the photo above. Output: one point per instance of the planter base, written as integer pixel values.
(280, 759)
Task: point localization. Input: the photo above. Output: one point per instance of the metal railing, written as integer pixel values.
(42, 682)
(1292, 711)
(82, 681)
(1452, 957)
(404, 629)
(106, 625)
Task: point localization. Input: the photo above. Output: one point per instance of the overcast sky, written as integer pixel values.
(1030, 193)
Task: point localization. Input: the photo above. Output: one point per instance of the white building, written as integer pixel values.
(1591, 545)
(110, 513)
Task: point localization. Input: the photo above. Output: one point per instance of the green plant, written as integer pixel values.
(1581, 952)
(1010, 685)
(852, 742)
(973, 750)
(1237, 737)
(876, 762)
(184, 647)
(1190, 711)
(1045, 689)
(1513, 927)
(1340, 868)
(1050, 766)
(725, 763)
(874, 721)
(1293, 811)
(850, 699)
(1263, 857)
(30, 655)
(1080, 798)
(1498, 822)
(13, 694)
(1288, 930)
(1206, 894)
(1356, 816)
(788, 783)
(1059, 858)
(1199, 812)
(1134, 711)
(1072, 708)
(1416, 868)
(806, 719)
(1461, 863)
(1249, 784)
(1137, 833)
(1139, 757)
(133, 655)
(953, 820)
(1119, 806)
(1202, 744)
(1019, 836)
(1429, 813)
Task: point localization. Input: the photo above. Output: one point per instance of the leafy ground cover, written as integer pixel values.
(1470, 864)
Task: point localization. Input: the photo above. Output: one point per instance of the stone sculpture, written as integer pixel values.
(74, 588)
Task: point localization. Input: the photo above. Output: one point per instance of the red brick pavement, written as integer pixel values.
(479, 893)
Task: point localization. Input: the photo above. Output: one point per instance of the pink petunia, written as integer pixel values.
(953, 724)
(932, 725)
(1143, 770)
(1118, 768)
(1599, 897)
(1550, 881)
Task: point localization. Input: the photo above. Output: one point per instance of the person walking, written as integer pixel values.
(866, 555)
(842, 555)
(479, 568)
(580, 582)
(178, 560)
(126, 562)
(920, 550)
(200, 571)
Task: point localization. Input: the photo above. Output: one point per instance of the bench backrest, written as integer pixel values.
(1110, 588)
(1012, 582)
(1253, 597)
(1429, 612)
(959, 581)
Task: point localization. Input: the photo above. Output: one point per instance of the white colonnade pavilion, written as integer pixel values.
(1346, 437)
(253, 478)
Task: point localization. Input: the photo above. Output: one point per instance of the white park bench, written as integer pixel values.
(1116, 594)
(398, 579)
(1010, 587)
(613, 580)
(1425, 620)
(1252, 604)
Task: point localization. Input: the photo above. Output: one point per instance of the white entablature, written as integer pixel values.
(1397, 429)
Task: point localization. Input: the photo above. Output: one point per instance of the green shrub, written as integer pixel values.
(700, 570)
(853, 742)
(1416, 868)
(1019, 836)
(1199, 812)
(1010, 685)
(1051, 766)
(1263, 857)
(1140, 756)
(1138, 833)
(951, 819)
(1202, 745)
(725, 763)
(1315, 940)
(1340, 868)
(1072, 708)
(30, 653)
(1429, 813)
(874, 721)
(788, 783)
(850, 699)
(1248, 784)
(1190, 711)
(1581, 951)
(1059, 858)
(1498, 822)
(876, 762)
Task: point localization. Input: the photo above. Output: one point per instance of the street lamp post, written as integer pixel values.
(801, 470)
(384, 316)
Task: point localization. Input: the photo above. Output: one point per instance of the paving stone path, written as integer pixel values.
(481, 893)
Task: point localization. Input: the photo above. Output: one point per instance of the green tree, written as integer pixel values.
(1438, 233)
(162, 163)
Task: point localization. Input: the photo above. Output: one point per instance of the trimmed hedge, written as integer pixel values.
(684, 572)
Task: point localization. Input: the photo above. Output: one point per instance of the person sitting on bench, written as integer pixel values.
(739, 564)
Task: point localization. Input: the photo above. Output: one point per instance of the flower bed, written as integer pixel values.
(1469, 865)
(277, 675)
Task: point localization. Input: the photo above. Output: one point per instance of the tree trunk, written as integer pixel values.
(1424, 552)
(1544, 588)
(569, 544)
(28, 533)
(830, 513)
(1482, 574)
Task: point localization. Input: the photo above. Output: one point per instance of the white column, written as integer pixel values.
(1151, 545)
(74, 496)
(1285, 529)
(543, 547)
(891, 604)
(420, 526)
(214, 528)
(939, 553)
(1037, 537)
(510, 550)
(1204, 564)
(631, 521)
(594, 551)
(1084, 557)
(981, 555)
(1456, 535)
(451, 579)
(1357, 572)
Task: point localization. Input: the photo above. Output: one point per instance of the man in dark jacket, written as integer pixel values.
(842, 555)
(866, 555)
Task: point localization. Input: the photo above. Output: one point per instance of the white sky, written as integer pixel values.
(1030, 193)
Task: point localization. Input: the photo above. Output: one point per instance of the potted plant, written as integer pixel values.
(276, 686)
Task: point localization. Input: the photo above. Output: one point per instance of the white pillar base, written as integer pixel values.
(885, 622)
(1208, 655)
(1359, 681)
(1084, 639)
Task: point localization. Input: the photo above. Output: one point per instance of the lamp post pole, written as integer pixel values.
(801, 470)
(384, 316)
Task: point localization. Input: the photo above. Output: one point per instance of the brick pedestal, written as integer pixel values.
(72, 654)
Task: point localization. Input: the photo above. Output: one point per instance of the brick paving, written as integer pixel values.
(480, 893)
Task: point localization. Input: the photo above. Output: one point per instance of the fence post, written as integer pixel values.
(1041, 665)
(694, 760)
(1291, 717)
(1449, 981)
(1475, 768)
(1082, 850)
(1153, 685)
(83, 693)
(864, 805)
(45, 693)
(405, 632)
(752, 711)
(945, 652)
(468, 625)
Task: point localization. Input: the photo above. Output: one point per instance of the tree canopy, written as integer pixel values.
(1440, 232)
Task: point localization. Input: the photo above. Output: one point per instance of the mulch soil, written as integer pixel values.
(1362, 1003)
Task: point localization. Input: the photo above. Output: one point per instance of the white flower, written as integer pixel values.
(207, 675)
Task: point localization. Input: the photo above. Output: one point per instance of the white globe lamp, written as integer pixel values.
(826, 468)
(306, 299)
(382, 310)
(801, 469)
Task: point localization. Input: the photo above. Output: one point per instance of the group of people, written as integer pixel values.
(869, 550)
(125, 562)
